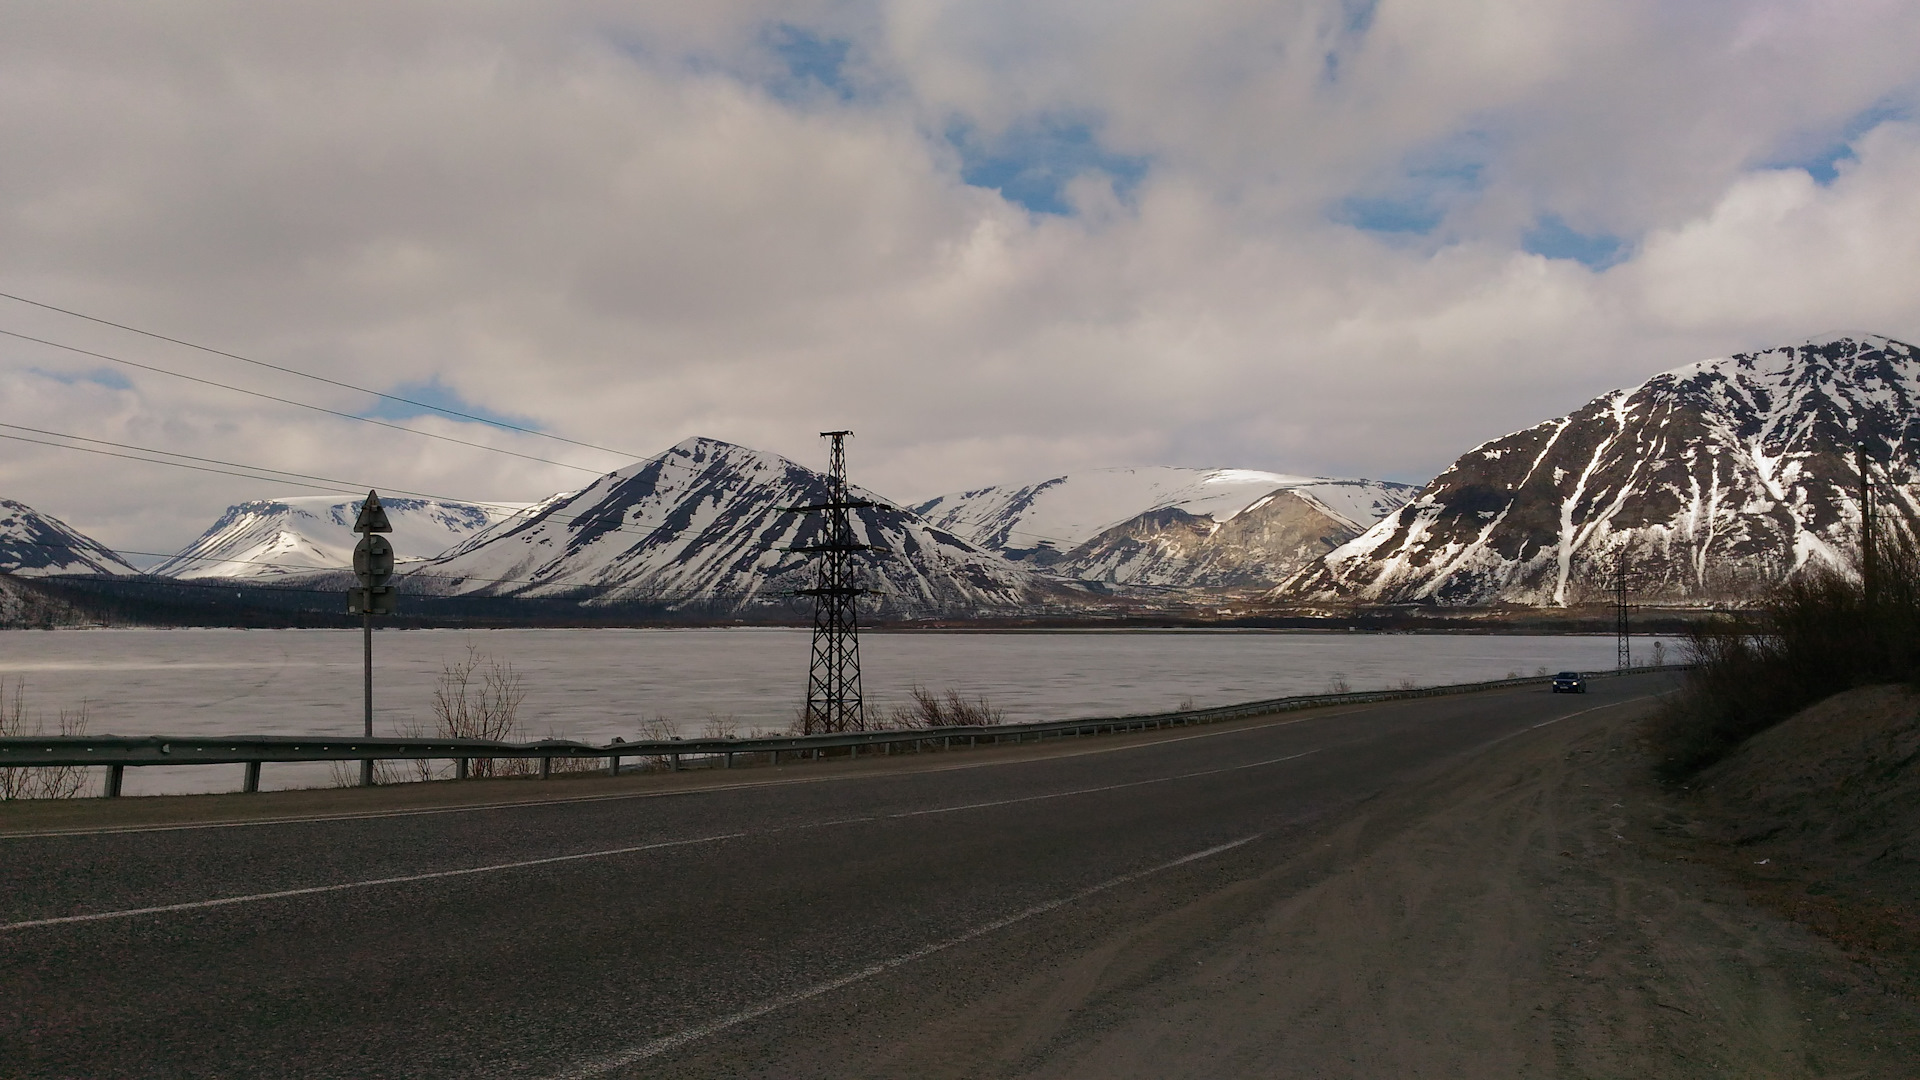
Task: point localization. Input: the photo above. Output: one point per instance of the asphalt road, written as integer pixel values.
(791, 926)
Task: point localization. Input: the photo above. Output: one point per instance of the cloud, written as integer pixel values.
(998, 240)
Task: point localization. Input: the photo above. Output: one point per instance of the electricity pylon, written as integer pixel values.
(833, 680)
(1623, 648)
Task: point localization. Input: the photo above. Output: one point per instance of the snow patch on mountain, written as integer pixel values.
(1706, 482)
(705, 524)
(33, 544)
(275, 537)
(1166, 526)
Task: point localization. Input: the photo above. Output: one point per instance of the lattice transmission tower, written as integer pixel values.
(1622, 633)
(833, 680)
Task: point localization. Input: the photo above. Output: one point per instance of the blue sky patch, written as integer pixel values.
(1431, 182)
(813, 62)
(1032, 163)
(435, 393)
(1822, 162)
(106, 377)
(1415, 216)
(1555, 239)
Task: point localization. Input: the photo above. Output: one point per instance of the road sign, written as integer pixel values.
(373, 565)
(373, 516)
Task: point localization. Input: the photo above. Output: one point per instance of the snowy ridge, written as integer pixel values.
(1708, 480)
(1164, 526)
(703, 524)
(274, 537)
(33, 544)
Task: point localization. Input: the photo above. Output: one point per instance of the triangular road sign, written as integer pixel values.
(373, 516)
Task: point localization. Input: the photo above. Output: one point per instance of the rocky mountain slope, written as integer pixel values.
(33, 544)
(702, 525)
(1168, 527)
(1707, 480)
(275, 537)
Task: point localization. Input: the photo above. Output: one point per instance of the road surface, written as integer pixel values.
(995, 912)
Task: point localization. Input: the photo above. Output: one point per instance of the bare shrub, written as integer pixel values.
(1659, 654)
(1407, 683)
(1814, 636)
(1337, 684)
(39, 781)
(346, 774)
(486, 707)
(720, 727)
(931, 710)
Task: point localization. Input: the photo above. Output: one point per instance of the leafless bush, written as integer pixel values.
(40, 781)
(720, 727)
(1337, 684)
(484, 708)
(1818, 634)
(1407, 683)
(346, 774)
(931, 710)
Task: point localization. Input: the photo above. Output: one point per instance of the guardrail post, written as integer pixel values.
(676, 762)
(546, 766)
(613, 764)
(776, 758)
(460, 767)
(114, 775)
(253, 777)
(726, 760)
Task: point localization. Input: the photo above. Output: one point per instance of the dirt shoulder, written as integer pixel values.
(1541, 910)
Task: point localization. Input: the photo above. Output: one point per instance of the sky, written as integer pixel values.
(999, 240)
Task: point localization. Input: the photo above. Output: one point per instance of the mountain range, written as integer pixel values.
(1699, 484)
(271, 538)
(1168, 527)
(705, 524)
(33, 544)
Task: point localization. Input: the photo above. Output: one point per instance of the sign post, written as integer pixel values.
(373, 565)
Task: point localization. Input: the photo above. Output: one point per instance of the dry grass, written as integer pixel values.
(949, 709)
(1817, 635)
(39, 782)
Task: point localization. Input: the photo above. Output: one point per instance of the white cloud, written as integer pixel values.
(632, 224)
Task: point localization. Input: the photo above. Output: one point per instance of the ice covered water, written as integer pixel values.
(595, 684)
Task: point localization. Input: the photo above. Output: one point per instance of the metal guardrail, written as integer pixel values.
(118, 752)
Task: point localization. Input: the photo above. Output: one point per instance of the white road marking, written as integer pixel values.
(636, 1054)
(610, 852)
(311, 890)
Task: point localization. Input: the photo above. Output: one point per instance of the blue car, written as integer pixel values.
(1569, 682)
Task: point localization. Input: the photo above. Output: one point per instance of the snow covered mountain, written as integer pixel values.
(1164, 526)
(702, 524)
(1711, 479)
(33, 544)
(273, 537)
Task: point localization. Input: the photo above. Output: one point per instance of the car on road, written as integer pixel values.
(1569, 682)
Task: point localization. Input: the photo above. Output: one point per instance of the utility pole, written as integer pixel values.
(1869, 555)
(1622, 633)
(834, 700)
(373, 565)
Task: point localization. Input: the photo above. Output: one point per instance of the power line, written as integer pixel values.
(635, 458)
(316, 378)
(296, 404)
(327, 484)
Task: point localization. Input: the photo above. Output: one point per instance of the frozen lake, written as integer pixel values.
(596, 684)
